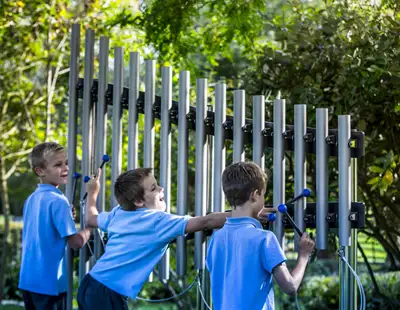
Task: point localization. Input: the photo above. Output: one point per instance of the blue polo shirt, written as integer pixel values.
(136, 242)
(47, 219)
(240, 258)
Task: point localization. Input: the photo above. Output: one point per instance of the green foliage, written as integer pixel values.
(321, 292)
(344, 56)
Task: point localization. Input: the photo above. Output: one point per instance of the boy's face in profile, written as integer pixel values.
(153, 195)
(56, 171)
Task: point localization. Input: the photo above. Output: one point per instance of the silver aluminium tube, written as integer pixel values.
(258, 127)
(279, 164)
(165, 154)
(116, 143)
(184, 101)
(72, 128)
(87, 144)
(219, 146)
(300, 172)
(322, 179)
(101, 134)
(201, 168)
(134, 80)
(238, 124)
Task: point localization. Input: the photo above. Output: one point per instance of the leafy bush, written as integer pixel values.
(322, 292)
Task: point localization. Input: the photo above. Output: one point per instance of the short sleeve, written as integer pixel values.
(104, 219)
(62, 218)
(169, 226)
(271, 252)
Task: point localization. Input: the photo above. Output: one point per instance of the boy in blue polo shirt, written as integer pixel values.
(139, 231)
(242, 257)
(48, 226)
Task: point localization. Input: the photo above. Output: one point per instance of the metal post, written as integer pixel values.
(279, 164)
(238, 124)
(300, 171)
(258, 127)
(149, 99)
(86, 134)
(352, 250)
(116, 158)
(219, 146)
(322, 179)
(344, 205)
(101, 134)
(134, 79)
(72, 125)
(184, 93)
(165, 155)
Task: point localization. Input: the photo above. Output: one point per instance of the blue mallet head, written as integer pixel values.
(106, 158)
(76, 175)
(86, 179)
(306, 192)
(282, 208)
(271, 217)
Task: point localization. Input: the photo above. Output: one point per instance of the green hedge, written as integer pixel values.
(322, 292)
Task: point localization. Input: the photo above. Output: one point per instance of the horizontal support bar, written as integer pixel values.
(356, 142)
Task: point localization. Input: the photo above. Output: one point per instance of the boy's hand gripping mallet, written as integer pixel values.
(86, 179)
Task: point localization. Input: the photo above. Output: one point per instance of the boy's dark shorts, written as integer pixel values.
(94, 295)
(35, 301)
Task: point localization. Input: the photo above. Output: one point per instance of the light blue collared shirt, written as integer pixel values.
(47, 219)
(136, 242)
(240, 258)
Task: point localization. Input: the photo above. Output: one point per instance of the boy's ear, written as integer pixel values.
(253, 195)
(139, 204)
(39, 172)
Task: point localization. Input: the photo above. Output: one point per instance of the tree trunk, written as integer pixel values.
(6, 213)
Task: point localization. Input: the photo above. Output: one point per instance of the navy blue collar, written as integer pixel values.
(243, 221)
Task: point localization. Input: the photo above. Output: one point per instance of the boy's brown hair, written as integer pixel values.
(240, 179)
(128, 187)
(40, 153)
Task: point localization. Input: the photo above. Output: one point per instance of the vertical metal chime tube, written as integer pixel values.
(165, 156)
(72, 128)
(344, 180)
(184, 92)
(239, 117)
(86, 133)
(134, 80)
(149, 99)
(101, 134)
(219, 146)
(201, 168)
(116, 158)
(279, 164)
(345, 190)
(300, 172)
(322, 178)
(258, 127)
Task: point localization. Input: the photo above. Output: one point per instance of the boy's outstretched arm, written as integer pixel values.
(290, 282)
(210, 221)
(91, 213)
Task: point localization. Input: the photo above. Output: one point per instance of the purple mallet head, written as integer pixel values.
(86, 179)
(306, 192)
(76, 175)
(282, 208)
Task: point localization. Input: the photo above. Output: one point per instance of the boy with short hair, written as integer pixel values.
(139, 231)
(48, 226)
(242, 257)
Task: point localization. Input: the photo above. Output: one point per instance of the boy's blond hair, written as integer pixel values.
(40, 153)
